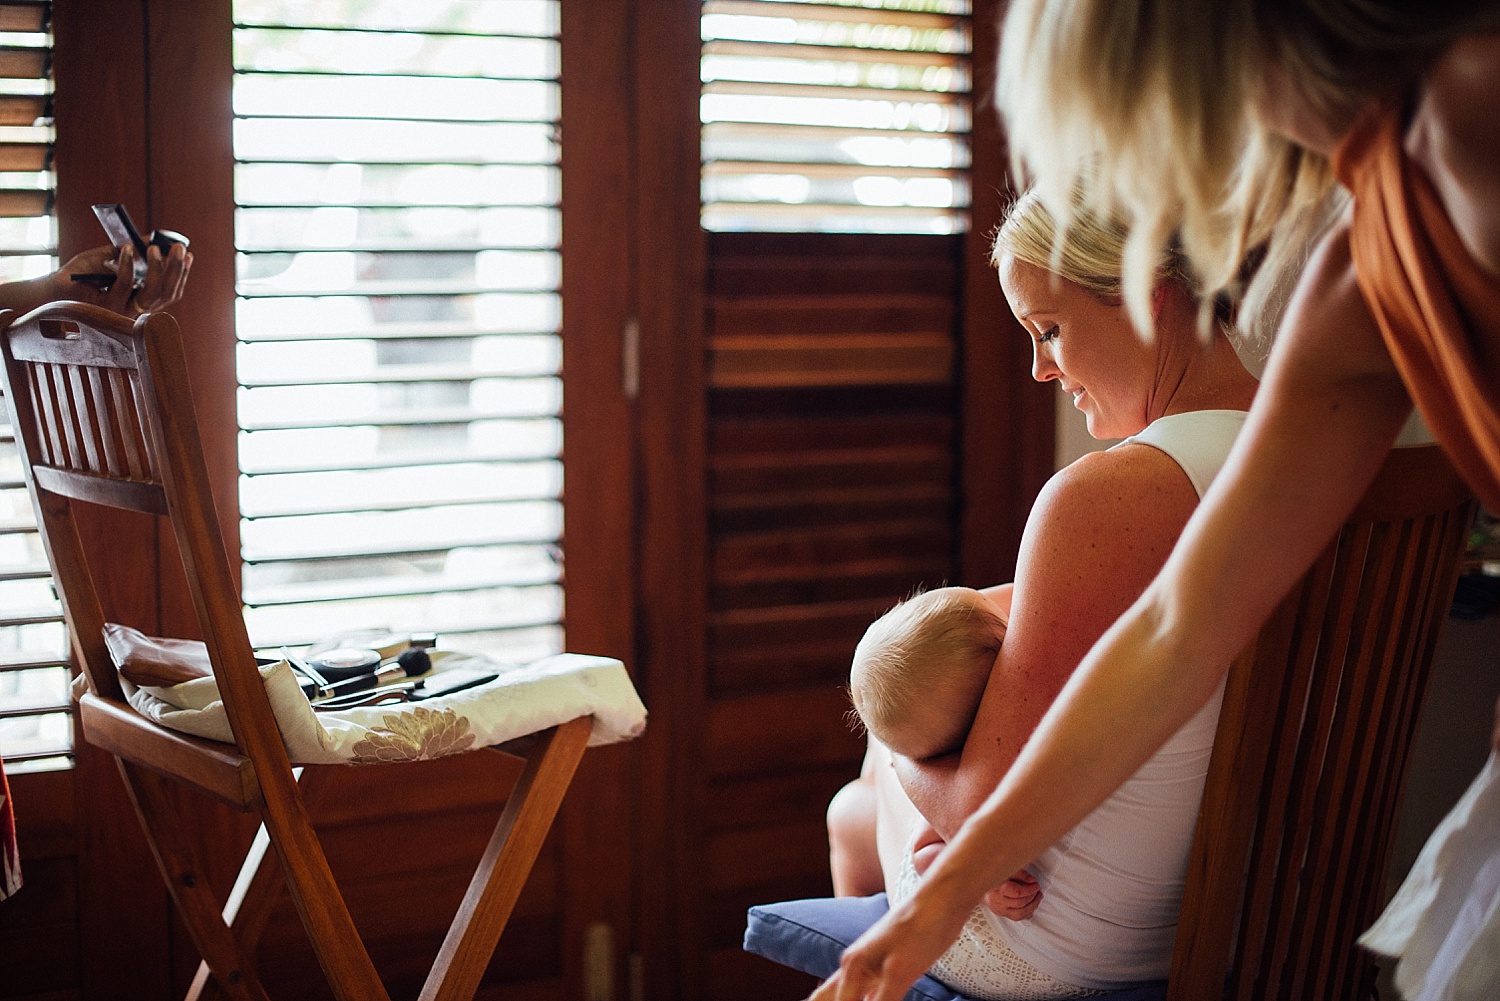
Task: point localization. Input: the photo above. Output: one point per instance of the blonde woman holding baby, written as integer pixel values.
(1098, 907)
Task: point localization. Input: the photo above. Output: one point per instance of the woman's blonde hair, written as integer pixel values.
(1149, 107)
(1091, 252)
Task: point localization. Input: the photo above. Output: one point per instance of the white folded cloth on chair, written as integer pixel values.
(1444, 923)
(522, 700)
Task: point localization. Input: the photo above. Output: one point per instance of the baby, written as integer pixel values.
(917, 679)
(921, 668)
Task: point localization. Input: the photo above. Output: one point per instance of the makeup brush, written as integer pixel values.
(411, 663)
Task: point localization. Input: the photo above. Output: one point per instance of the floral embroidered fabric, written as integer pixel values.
(521, 700)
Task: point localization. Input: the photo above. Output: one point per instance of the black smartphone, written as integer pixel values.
(446, 682)
(121, 229)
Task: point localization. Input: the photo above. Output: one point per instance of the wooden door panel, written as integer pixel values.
(832, 493)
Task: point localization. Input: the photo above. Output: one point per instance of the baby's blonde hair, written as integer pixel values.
(936, 642)
(1148, 106)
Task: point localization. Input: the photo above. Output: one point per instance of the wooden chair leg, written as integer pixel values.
(315, 895)
(258, 888)
(190, 892)
(507, 861)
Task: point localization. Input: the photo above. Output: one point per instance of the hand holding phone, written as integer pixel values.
(121, 230)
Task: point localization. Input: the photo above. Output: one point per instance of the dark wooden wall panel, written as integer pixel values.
(39, 938)
(1007, 443)
(833, 491)
(670, 591)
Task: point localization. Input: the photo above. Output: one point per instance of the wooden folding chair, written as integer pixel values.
(1304, 787)
(103, 414)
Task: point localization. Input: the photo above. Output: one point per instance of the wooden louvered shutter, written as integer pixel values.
(398, 226)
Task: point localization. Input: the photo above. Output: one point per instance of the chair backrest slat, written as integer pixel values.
(51, 429)
(103, 416)
(127, 425)
(86, 418)
(1308, 767)
(67, 417)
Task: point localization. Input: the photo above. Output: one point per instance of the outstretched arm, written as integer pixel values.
(166, 278)
(1323, 421)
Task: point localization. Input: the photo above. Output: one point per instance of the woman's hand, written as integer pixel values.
(899, 948)
(166, 278)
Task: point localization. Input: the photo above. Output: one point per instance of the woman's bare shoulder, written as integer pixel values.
(1130, 483)
(1456, 140)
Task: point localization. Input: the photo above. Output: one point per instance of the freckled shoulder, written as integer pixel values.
(1110, 511)
(1133, 470)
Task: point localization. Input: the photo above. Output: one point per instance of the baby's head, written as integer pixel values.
(921, 668)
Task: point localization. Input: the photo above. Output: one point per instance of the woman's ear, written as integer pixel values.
(1158, 302)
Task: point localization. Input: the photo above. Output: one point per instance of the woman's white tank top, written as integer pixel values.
(1113, 884)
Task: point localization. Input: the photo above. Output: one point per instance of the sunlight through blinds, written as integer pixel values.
(35, 713)
(835, 116)
(397, 188)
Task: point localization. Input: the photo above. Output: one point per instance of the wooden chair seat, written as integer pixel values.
(103, 415)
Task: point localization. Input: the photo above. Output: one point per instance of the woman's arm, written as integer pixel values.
(1323, 421)
(166, 278)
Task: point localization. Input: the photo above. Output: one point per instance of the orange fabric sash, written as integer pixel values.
(1438, 311)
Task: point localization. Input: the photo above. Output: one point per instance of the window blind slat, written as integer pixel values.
(11, 663)
(830, 53)
(24, 156)
(731, 168)
(30, 617)
(24, 204)
(256, 465)
(22, 63)
(388, 289)
(397, 419)
(21, 109)
(29, 571)
(24, 18)
(435, 17)
(386, 332)
(860, 14)
(404, 376)
(403, 587)
(827, 139)
(754, 88)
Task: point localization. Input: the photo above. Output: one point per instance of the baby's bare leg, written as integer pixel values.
(852, 853)
(898, 823)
